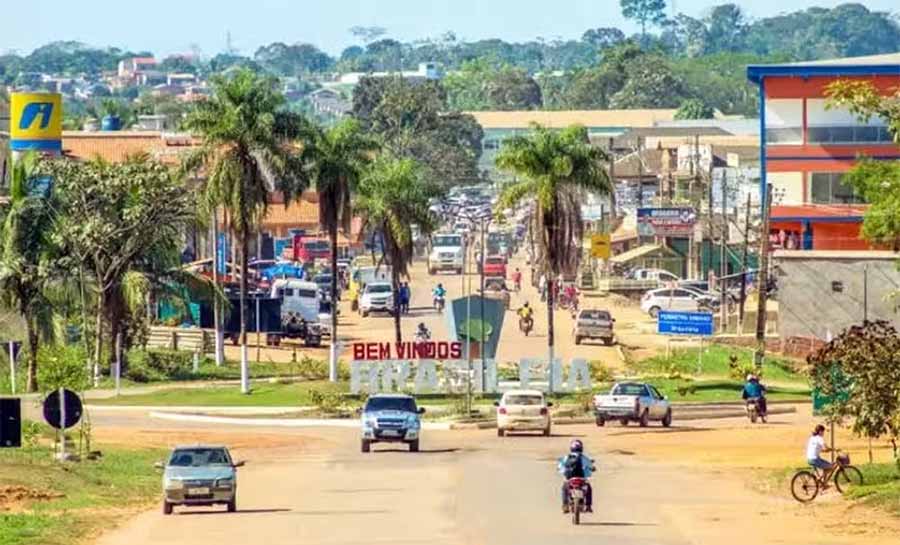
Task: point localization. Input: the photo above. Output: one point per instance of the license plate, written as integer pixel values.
(202, 491)
(577, 493)
(390, 433)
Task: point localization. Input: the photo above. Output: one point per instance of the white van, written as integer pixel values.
(298, 297)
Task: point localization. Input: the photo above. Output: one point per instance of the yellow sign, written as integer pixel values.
(35, 121)
(600, 246)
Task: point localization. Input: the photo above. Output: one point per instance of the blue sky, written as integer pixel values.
(170, 26)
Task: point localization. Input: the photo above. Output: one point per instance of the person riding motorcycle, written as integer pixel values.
(576, 464)
(754, 389)
(439, 291)
(422, 333)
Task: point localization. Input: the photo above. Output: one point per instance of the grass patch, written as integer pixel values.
(881, 487)
(262, 395)
(716, 363)
(714, 391)
(73, 492)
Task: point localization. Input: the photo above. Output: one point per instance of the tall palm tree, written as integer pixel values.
(26, 259)
(335, 160)
(556, 169)
(247, 134)
(393, 196)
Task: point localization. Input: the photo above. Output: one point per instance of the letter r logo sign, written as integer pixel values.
(34, 110)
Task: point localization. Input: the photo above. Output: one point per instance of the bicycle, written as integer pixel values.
(806, 484)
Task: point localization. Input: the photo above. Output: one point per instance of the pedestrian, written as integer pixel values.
(404, 298)
(542, 286)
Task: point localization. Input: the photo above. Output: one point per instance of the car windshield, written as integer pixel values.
(406, 404)
(323, 279)
(447, 240)
(198, 457)
(495, 261)
(378, 288)
(517, 399)
(629, 390)
(306, 293)
(595, 315)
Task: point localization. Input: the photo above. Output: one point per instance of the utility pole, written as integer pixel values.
(723, 255)
(744, 265)
(484, 224)
(640, 158)
(695, 183)
(762, 280)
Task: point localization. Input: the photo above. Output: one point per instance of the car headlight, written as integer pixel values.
(412, 422)
(174, 484)
(370, 422)
(225, 483)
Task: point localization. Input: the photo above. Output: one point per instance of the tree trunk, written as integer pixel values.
(395, 280)
(217, 310)
(550, 334)
(98, 336)
(332, 352)
(32, 333)
(245, 364)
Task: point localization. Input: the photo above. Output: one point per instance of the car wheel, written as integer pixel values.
(624, 422)
(501, 432)
(167, 508)
(667, 420)
(601, 421)
(547, 431)
(577, 339)
(414, 446)
(365, 314)
(232, 505)
(608, 341)
(654, 312)
(645, 418)
(365, 446)
(354, 305)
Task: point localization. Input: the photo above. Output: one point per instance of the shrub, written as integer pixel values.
(62, 366)
(159, 365)
(327, 402)
(600, 373)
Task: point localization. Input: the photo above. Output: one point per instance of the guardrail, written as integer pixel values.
(188, 339)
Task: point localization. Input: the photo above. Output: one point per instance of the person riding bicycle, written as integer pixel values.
(577, 464)
(754, 389)
(815, 446)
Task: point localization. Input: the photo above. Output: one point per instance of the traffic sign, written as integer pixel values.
(72, 405)
(600, 246)
(696, 324)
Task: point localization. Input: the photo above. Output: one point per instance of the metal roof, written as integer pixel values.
(871, 65)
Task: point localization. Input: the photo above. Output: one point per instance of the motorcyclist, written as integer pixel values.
(576, 464)
(422, 333)
(439, 291)
(525, 312)
(754, 389)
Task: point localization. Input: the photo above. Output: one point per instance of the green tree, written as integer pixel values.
(727, 28)
(866, 359)
(26, 262)
(291, 60)
(645, 12)
(555, 169)
(246, 152)
(480, 85)
(650, 84)
(335, 160)
(112, 214)
(393, 196)
(864, 100)
(694, 108)
(603, 37)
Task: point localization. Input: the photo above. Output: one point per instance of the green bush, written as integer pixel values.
(159, 365)
(327, 402)
(600, 373)
(63, 367)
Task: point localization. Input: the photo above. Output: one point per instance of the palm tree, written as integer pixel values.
(335, 160)
(26, 259)
(393, 196)
(246, 150)
(555, 169)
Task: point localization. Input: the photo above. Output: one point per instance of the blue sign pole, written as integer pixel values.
(223, 251)
(691, 324)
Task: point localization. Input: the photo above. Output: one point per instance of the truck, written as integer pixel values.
(594, 324)
(308, 249)
(632, 402)
(447, 253)
(391, 418)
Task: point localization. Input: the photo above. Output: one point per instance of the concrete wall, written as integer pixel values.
(810, 306)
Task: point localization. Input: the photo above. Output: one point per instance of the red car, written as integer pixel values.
(495, 265)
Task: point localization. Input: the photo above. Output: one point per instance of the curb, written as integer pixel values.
(278, 422)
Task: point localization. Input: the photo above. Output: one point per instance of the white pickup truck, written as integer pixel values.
(632, 402)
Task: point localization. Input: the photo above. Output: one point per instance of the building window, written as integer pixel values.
(829, 188)
(784, 121)
(849, 135)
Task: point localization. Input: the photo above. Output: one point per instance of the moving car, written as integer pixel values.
(523, 410)
(362, 275)
(684, 299)
(391, 418)
(632, 402)
(447, 253)
(495, 288)
(495, 265)
(594, 324)
(377, 297)
(199, 475)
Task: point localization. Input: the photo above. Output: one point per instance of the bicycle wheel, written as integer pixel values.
(804, 486)
(847, 478)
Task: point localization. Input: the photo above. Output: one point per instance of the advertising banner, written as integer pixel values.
(666, 222)
(467, 325)
(35, 122)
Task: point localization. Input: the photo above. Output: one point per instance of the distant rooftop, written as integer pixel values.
(601, 119)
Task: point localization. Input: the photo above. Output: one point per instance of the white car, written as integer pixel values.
(377, 297)
(523, 410)
(684, 299)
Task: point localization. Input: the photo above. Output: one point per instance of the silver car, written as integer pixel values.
(199, 475)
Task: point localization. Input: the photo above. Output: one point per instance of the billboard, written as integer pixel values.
(35, 122)
(465, 323)
(666, 222)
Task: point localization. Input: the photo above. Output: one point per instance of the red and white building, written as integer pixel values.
(807, 147)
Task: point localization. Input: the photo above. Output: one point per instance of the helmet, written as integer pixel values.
(440, 285)
(750, 377)
(576, 446)
(526, 304)
(422, 325)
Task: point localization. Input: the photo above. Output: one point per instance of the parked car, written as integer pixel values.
(391, 418)
(653, 274)
(594, 324)
(495, 265)
(377, 297)
(199, 475)
(684, 299)
(523, 410)
(632, 402)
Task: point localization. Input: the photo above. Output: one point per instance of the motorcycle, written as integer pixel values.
(439, 303)
(753, 410)
(577, 498)
(525, 325)
(423, 336)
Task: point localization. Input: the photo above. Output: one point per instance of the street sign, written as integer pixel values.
(72, 405)
(600, 246)
(696, 324)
